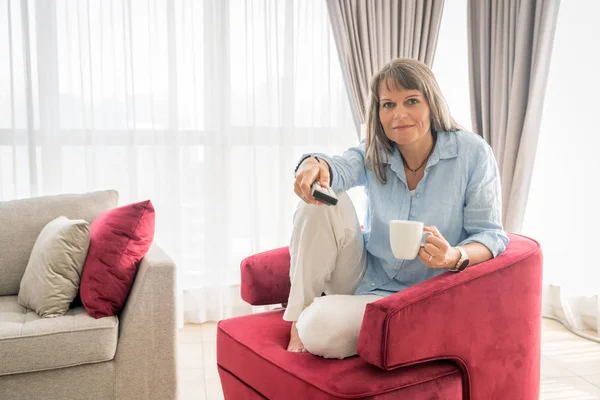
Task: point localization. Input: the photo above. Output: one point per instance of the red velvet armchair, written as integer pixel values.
(472, 335)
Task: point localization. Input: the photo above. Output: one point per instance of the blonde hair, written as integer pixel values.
(412, 75)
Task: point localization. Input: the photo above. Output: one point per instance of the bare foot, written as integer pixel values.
(296, 345)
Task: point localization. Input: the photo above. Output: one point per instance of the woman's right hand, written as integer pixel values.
(311, 170)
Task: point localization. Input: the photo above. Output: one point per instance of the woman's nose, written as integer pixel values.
(399, 113)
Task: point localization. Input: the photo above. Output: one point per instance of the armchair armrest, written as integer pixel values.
(486, 318)
(265, 277)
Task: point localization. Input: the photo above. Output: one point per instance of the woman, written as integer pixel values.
(416, 164)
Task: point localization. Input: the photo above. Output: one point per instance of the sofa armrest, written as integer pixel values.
(486, 318)
(145, 358)
(265, 277)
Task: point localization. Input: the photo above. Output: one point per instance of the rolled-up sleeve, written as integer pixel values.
(348, 170)
(483, 204)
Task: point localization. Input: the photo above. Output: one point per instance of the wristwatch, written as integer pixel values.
(462, 262)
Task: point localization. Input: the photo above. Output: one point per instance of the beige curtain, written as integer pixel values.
(368, 34)
(510, 47)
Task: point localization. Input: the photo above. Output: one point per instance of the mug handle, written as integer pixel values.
(424, 238)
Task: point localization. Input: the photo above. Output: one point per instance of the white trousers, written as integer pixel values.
(327, 255)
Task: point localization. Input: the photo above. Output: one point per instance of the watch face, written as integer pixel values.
(463, 265)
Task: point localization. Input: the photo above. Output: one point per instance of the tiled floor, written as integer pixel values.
(570, 364)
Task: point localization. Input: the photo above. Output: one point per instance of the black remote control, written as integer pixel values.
(325, 196)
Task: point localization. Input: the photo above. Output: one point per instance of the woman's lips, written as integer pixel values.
(402, 128)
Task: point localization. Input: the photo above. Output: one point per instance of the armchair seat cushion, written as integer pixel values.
(253, 349)
(30, 343)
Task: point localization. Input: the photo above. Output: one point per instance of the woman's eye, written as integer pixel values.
(387, 105)
(412, 102)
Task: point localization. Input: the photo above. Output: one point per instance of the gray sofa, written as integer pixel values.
(129, 356)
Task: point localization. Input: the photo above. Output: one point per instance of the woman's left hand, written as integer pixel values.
(437, 252)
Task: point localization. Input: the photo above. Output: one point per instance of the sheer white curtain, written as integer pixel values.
(451, 64)
(204, 107)
(563, 210)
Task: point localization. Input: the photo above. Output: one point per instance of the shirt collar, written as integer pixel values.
(445, 147)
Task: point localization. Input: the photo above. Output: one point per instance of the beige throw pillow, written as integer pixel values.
(51, 280)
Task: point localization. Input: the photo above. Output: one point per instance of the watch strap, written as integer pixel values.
(462, 262)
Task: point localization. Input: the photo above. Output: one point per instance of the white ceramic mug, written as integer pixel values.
(406, 237)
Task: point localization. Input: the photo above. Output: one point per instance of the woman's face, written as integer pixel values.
(404, 114)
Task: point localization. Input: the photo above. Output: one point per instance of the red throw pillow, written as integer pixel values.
(119, 239)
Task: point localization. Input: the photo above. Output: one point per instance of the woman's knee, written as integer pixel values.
(312, 209)
(317, 216)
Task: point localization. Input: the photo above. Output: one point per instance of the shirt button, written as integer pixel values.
(418, 195)
(372, 284)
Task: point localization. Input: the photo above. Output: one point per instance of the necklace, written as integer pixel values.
(414, 171)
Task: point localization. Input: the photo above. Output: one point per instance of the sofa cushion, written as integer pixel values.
(253, 349)
(51, 280)
(119, 239)
(23, 220)
(30, 343)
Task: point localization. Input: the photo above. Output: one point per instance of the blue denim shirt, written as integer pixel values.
(460, 194)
